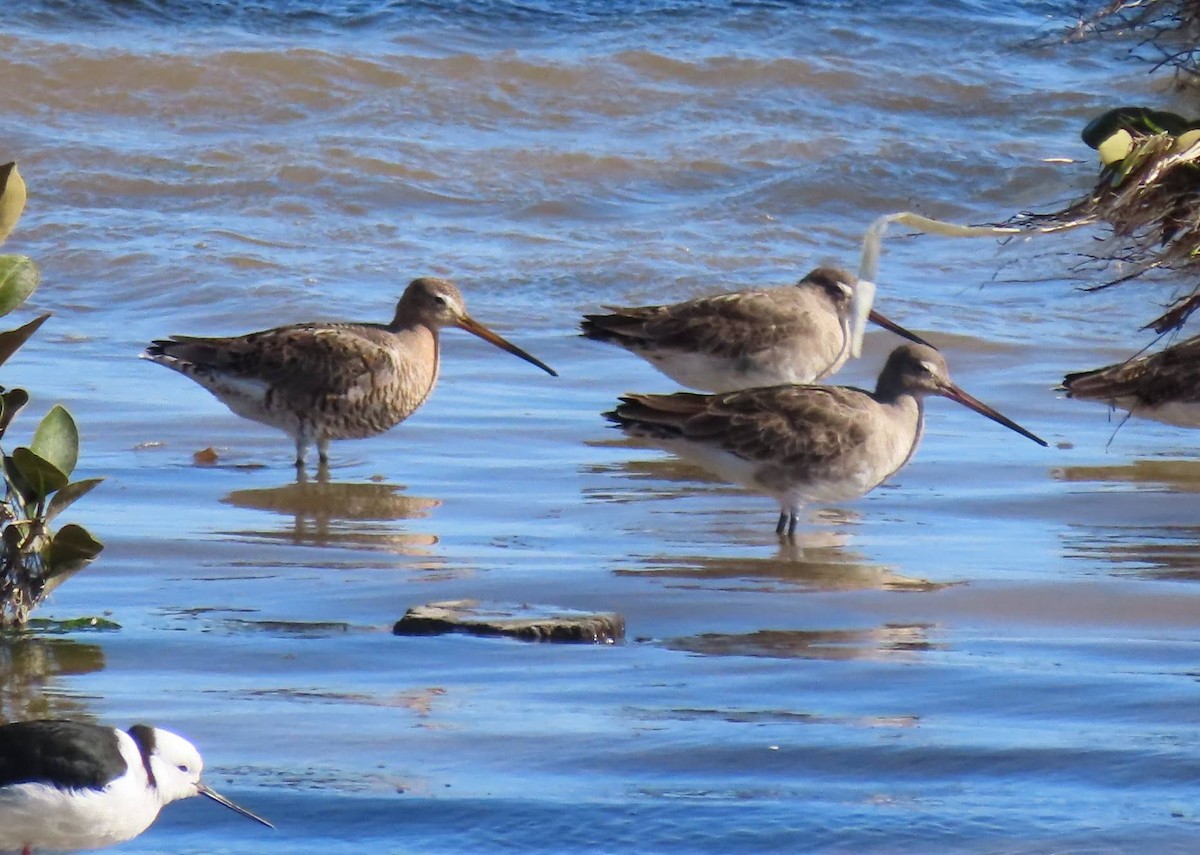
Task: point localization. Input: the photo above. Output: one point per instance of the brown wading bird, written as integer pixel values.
(743, 339)
(323, 381)
(805, 443)
(1164, 386)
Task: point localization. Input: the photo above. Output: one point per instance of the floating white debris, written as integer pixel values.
(864, 293)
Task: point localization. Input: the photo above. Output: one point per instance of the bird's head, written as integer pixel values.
(176, 766)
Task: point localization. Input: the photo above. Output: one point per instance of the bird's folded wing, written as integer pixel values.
(791, 425)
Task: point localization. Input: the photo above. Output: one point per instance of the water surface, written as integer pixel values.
(993, 653)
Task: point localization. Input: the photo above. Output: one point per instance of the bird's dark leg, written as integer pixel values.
(786, 527)
(323, 450)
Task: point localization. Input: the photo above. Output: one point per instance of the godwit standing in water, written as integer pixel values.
(742, 339)
(805, 443)
(65, 785)
(1164, 386)
(324, 381)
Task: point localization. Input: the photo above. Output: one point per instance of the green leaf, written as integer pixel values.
(12, 198)
(19, 277)
(65, 497)
(11, 340)
(11, 403)
(56, 440)
(41, 476)
(71, 548)
(17, 481)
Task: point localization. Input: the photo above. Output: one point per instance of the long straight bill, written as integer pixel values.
(892, 326)
(954, 393)
(475, 328)
(221, 800)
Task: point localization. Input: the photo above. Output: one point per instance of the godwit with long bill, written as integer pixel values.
(324, 381)
(802, 444)
(742, 339)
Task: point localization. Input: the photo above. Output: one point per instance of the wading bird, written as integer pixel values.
(66, 785)
(1164, 386)
(757, 337)
(805, 443)
(319, 382)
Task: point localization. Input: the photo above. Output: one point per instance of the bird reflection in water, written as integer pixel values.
(888, 641)
(347, 514)
(1142, 523)
(1176, 475)
(31, 669)
(814, 560)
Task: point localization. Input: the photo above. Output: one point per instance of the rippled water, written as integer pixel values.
(994, 653)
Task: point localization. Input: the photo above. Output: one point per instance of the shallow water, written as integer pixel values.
(993, 653)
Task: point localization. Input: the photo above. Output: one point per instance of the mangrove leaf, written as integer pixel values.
(16, 481)
(12, 198)
(11, 403)
(56, 440)
(41, 476)
(71, 548)
(11, 340)
(65, 497)
(19, 277)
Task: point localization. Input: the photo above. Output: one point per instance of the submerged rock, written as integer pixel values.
(526, 622)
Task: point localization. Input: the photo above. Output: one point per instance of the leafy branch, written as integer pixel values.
(34, 558)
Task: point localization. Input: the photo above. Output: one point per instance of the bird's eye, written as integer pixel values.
(441, 301)
(182, 767)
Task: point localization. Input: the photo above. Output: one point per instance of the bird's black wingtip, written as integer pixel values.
(1070, 381)
(589, 328)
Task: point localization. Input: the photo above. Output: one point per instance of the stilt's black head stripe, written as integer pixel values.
(143, 735)
(64, 754)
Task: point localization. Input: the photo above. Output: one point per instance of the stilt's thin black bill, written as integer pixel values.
(221, 800)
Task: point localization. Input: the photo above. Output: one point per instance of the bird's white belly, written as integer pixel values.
(726, 466)
(849, 476)
(45, 817)
(784, 364)
(1177, 413)
(247, 398)
(850, 484)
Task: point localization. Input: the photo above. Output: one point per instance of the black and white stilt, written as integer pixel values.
(66, 785)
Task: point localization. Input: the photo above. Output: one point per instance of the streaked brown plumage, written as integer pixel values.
(805, 443)
(756, 337)
(324, 381)
(1164, 386)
